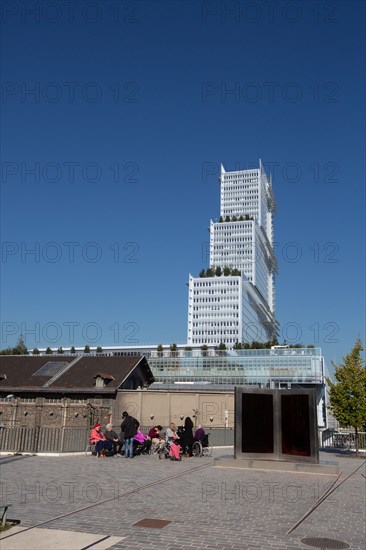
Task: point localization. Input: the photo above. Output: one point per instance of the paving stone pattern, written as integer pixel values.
(210, 507)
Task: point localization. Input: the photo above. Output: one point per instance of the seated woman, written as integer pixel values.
(156, 439)
(97, 438)
(199, 433)
(173, 440)
(144, 441)
(112, 436)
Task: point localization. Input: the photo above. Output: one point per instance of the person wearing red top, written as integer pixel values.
(97, 438)
(156, 438)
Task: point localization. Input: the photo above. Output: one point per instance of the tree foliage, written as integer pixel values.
(218, 271)
(20, 348)
(6, 351)
(347, 395)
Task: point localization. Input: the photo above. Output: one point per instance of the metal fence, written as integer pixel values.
(219, 437)
(43, 440)
(345, 441)
(67, 440)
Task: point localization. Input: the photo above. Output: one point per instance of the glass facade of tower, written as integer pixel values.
(237, 302)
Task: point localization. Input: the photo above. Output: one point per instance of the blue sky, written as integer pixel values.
(134, 106)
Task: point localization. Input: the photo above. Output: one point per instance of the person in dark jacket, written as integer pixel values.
(187, 437)
(129, 428)
(111, 435)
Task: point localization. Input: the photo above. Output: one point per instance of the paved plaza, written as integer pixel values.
(201, 506)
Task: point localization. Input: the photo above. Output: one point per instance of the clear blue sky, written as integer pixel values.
(132, 111)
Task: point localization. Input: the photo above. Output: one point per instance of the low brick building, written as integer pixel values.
(66, 391)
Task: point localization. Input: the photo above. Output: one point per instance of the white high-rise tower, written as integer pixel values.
(234, 300)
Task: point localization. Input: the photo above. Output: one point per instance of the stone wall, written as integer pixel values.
(153, 407)
(54, 412)
(150, 407)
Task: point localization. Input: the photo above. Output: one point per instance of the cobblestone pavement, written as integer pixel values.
(208, 507)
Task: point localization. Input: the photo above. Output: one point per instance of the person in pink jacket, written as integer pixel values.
(97, 438)
(173, 440)
(144, 441)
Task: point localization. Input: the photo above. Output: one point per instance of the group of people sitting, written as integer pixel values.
(131, 441)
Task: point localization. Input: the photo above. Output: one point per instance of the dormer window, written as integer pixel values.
(102, 379)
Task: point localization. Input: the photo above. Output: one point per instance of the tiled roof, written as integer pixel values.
(20, 372)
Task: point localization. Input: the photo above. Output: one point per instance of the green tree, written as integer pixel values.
(347, 395)
(202, 273)
(204, 349)
(218, 271)
(257, 345)
(221, 219)
(35, 351)
(234, 219)
(6, 351)
(159, 349)
(210, 272)
(99, 350)
(60, 350)
(222, 346)
(227, 218)
(48, 351)
(72, 349)
(173, 350)
(20, 348)
(237, 345)
(87, 349)
(227, 271)
(241, 219)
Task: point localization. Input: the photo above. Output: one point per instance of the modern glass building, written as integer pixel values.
(204, 370)
(260, 368)
(269, 368)
(235, 302)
